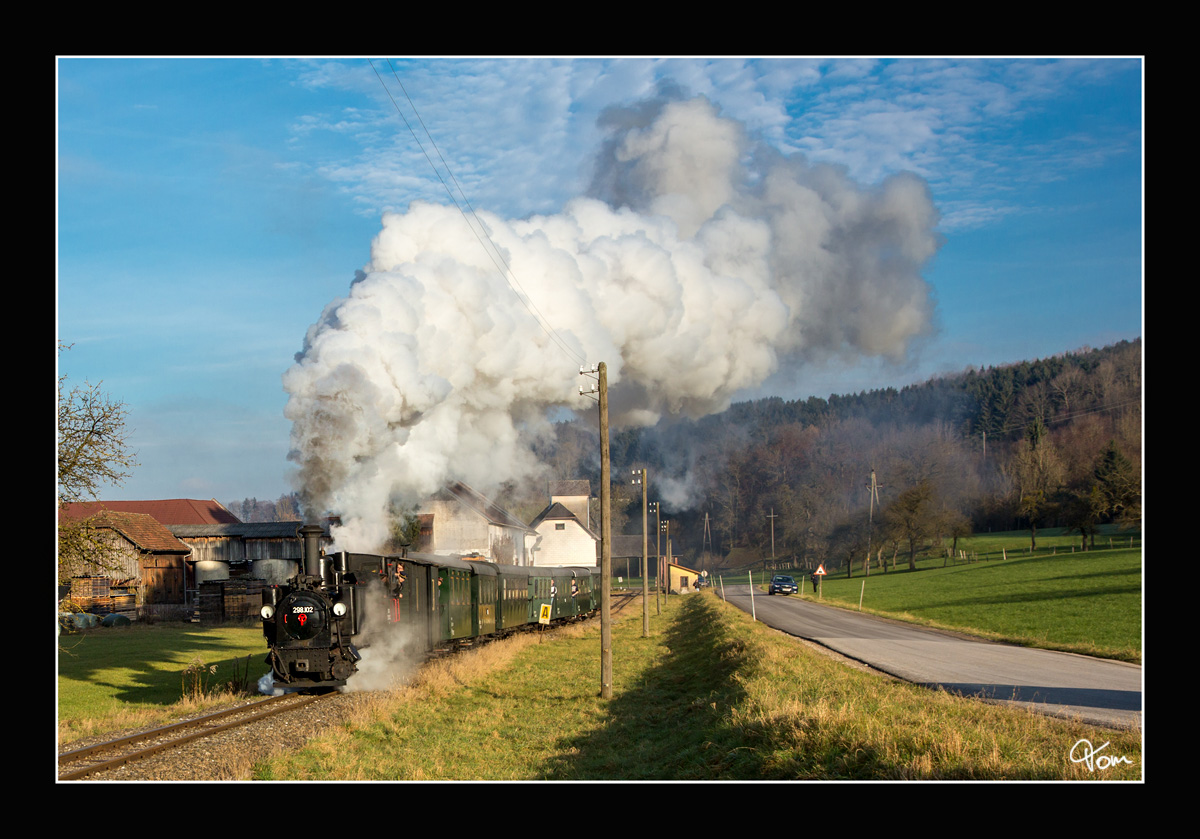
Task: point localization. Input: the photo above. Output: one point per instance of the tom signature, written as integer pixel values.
(1093, 758)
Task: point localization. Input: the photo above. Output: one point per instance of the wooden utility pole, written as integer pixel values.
(606, 676)
(642, 477)
(601, 388)
(772, 517)
(657, 557)
(873, 488)
(665, 562)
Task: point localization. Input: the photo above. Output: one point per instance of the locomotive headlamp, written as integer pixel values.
(267, 611)
(339, 609)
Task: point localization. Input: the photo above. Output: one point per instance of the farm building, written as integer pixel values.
(680, 578)
(459, 520)
(167, 511)
(269, 551)
(180, 558)
(145, 569)
(626, 553)
(565, 536)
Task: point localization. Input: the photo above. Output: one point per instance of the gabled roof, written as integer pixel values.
(142, 530)
(558, 512)
(554, 511)
(168, 511)
(486, 508)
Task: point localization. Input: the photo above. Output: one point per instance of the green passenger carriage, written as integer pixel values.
(316, 623)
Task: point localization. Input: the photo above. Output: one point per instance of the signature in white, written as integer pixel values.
(1093, 758)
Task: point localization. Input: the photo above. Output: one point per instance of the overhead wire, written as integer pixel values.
(477, 227)
(1017, 426)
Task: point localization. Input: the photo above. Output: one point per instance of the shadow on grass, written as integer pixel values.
(681, 722)
(665, 727)
(152, 659)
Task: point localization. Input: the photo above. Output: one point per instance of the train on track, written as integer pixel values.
(319, 624)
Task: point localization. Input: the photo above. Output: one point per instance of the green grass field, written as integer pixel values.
(1083, 602)
(711, 695)
(1087, 603)
(127, 676)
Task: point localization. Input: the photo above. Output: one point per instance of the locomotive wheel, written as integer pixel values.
(343, 670)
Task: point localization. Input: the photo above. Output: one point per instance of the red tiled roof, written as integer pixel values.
(142, 530)
(168, 511)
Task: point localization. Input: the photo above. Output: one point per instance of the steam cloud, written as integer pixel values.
(697, 265)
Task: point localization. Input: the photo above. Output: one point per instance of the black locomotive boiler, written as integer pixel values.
(319, 624)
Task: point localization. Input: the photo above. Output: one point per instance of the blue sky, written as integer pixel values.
(210, 209)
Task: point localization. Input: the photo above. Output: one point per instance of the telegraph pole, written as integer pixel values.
(641, 476)
(606, 543)
(601, 388)
(657, 557)
(772, 517)
(665, 563)
(873, 487)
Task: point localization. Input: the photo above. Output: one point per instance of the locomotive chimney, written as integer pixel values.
(311, 534)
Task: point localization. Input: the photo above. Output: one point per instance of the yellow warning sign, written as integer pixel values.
(544, 617)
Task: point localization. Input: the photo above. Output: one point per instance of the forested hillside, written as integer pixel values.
(1049, 443)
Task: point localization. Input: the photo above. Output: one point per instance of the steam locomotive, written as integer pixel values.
(318, 624)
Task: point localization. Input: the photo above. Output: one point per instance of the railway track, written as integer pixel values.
(103, 757)
(125, 757)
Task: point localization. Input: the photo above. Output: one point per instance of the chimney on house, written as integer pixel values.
(574, 495)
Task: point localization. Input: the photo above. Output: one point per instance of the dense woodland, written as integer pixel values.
(1055, 442)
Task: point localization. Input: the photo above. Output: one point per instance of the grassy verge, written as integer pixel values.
(1088, 603)
(1057, 598)
(126, 677)
(710, 696)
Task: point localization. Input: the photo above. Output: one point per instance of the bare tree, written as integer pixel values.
(1038, 474)
(909, 519)
(92, 453)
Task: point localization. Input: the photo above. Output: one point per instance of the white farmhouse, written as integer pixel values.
(565, 536)
(460, 520)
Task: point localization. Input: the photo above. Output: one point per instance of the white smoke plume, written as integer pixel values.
(695, 268)
(390, 652)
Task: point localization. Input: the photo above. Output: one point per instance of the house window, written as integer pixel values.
(560, 526)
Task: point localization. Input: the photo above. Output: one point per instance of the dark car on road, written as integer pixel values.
(781, 584)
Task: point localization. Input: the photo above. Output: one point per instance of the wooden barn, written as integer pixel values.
(179, 558)
(268, 551)
(145, 573)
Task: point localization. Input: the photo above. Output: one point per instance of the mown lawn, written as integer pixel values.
(114, 677)
(1089, 603)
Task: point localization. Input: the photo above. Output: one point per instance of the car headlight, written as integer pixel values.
(267, 612)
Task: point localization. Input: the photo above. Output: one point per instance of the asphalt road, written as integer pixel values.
(1097, 691)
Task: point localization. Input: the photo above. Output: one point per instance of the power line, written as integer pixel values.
(477, 227)
(1068, 417)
